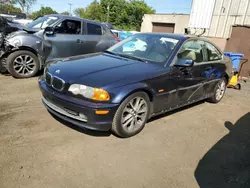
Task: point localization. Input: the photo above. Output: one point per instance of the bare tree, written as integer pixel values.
(5, 2)
(25, 4)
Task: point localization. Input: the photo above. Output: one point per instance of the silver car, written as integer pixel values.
(53, 36)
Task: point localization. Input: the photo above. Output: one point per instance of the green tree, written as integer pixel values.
(66, 13)
(136, 10)
(80, 12)
(93, 11)
(123, 14)
(43, 11)
(8, 6)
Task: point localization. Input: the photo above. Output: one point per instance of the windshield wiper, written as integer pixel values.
(126, 56)
(133, 57)
(113, 53)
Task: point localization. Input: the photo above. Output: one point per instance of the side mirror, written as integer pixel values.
(49, 30)
(184, 62)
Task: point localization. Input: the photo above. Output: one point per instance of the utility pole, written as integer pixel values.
(70, 9)
(41, 9)
(108, 7)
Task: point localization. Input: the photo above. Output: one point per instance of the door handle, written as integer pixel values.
(79, 41)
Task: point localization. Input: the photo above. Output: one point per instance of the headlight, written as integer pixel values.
(89, 92)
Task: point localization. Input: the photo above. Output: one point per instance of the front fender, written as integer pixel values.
(29, 42)
(123, 92)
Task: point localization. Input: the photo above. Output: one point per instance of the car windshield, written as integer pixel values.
(42, 22)
(153, 48)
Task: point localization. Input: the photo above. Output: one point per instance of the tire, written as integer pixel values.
(22, 58)
(3, 69)
(238, 86)
(214, 98)
(124, 131)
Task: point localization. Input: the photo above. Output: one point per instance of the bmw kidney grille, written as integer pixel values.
(54, 81)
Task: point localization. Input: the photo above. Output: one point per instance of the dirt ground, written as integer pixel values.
(36, 150)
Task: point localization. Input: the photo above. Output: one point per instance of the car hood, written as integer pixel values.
(31, 30)
(100, 70)
(24, 32)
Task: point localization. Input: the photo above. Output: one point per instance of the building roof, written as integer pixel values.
(239, 25)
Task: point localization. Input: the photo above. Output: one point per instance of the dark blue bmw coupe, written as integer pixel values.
(142, 76)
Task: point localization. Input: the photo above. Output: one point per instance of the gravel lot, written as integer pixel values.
(36, 150)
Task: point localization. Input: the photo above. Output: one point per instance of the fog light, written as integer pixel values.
(101, 112)
(82, 116)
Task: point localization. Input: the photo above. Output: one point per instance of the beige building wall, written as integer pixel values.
(226, 13)
(220, 42)
(180, 20)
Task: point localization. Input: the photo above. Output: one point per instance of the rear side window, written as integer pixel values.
(212, 52)
(94, 29)
(193, 50)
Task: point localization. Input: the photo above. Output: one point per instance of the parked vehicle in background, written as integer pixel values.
(123, 34)
(23, 22)
(108, 25)
(6, 27)
(52, 36)
(122, 88)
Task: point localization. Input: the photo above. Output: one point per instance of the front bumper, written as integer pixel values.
(76, 111)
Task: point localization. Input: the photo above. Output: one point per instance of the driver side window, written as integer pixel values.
(68, 27)
(192, 50)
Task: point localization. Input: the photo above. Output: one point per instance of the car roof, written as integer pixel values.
(175, 36)
(169, 35)
(75, 18)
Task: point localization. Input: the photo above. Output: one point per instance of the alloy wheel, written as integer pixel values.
(220, 90)
(24, 65)
(134, 114)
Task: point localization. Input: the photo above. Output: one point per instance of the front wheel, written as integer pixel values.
(219, 91)
(132, 115)
(22, 64)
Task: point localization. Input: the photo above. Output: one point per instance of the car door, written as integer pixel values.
(189, 81)
(94, 33)
(214, 67)
(67, 40)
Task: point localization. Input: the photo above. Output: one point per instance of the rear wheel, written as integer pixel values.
(219, 91)
(22, 64)
(132, 115)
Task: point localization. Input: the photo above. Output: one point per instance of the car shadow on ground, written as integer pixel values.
(82, 130)
(108, 133)
(227, 163)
